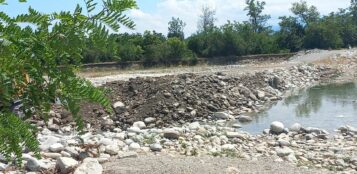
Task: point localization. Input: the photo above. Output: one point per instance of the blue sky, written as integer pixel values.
(155, 14)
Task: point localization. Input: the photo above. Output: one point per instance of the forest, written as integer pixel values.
(305, 29)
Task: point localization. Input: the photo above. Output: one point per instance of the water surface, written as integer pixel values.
(327, 107)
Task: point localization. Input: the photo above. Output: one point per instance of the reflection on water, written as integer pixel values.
(327, 107)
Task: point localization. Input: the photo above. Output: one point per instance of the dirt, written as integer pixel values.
(201, 165)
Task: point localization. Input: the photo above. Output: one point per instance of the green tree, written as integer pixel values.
(256, 18)
(291, 34)
(207, 19)
(306, 14)
(38, 65)
(176, 27)
(353, 10)
(323, 35)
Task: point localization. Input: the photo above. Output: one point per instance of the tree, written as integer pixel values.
(256, 18)
(324, 35)
(306, 14)
(207, 19)
(291, 34)
(38, 64)
(353, 10)
(176, 26)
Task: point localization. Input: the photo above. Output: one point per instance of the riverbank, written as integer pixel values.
(186, 115)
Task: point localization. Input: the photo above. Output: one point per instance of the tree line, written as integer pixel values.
(306, 28)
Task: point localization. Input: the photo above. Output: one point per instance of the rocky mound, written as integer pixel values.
(175, 100)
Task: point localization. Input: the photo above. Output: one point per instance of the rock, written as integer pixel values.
(46, 141)
(134, 146)
(52, 155)
(228, 147)
(89, 166)
(260, 94)
(108, 122)
(237, 126)
(340, 162)
(156, 147)
(66, 165)
(244, 118)
(235, 135)
(129, 154)
(171, 134)
(281, 152)
(194, 125)
(317, 131)
(134, 130)
(119, 107)
(112, 149)
(106, 141)
(3, 166)
(53, 127)
(296, 127)
(266, 131)
(291, 158)
(34, 164)
(222, 115)
(150, 120)
(139, 124)
(58, 147)
(283, 142)
(276, 127)
(309, 136)
(71, 150)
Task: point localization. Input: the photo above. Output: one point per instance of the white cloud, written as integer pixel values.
(189, 11)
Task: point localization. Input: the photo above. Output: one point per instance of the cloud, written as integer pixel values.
(190, 10)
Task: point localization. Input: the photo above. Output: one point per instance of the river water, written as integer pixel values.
(327, 107)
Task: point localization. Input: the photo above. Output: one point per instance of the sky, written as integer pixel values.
(155, 14)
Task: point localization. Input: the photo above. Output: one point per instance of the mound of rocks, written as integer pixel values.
(175, 100)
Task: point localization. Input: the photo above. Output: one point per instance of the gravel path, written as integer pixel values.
(200, 165)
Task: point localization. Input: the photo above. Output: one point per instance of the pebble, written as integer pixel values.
(156, 147)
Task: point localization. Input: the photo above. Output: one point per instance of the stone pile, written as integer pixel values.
(175, 100)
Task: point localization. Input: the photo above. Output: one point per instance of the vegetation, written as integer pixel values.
(38, 65)
(304, 29)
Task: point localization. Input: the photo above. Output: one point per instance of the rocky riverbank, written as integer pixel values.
(186, 115)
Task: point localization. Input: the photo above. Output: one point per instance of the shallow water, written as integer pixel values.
(327, 107)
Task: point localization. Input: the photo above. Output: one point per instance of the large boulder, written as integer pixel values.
(276, 127)
(89, 166)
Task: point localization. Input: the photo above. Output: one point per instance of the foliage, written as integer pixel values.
(176, 26)
(256, 18)
(306, 14)
(38, 65)
(291, 34)
(207, 19)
